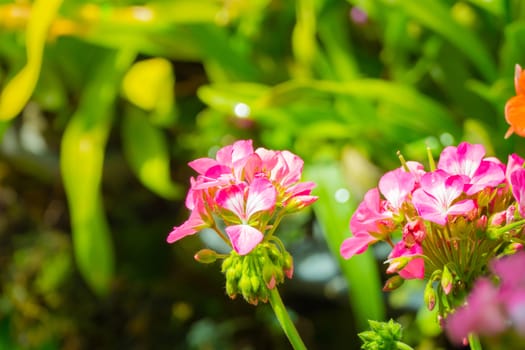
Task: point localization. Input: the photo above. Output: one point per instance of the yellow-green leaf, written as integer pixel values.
(146, 150)
(149, 84)
(82, 158)
(20, 88)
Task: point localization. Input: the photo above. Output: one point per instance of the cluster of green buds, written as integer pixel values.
(254, 274)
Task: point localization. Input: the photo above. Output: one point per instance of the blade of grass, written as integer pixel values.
(361, 271)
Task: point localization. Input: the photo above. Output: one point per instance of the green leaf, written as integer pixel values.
(361, 271)
(82, 157)
(434, 15)
(146, 149)
(431, 117)
(20, 88)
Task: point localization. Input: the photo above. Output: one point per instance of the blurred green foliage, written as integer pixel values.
(104, 102)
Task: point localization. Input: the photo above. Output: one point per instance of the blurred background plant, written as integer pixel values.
(104, 102)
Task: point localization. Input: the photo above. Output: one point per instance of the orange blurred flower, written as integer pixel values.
(515, 107)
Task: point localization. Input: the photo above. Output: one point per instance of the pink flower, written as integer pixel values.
(415, 268)
(490, 309)
(434, 201)
(396, 185)
(371, 216)
(467, 159)
(227, 167)
(283, 169)
(246, 201)
(482, 314)
(414, 232)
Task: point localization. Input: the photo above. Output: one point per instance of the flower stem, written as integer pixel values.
(284, 320)
(474, 342)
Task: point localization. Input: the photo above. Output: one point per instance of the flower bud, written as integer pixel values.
(206, 256)
(393, 283)
(429, 296)
(447, 280)
(398, 264)
(288, 265)
(255, 273)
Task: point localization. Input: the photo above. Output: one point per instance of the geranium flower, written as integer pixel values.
(481, 315)
(415, 268)
(246, 201)
(467, 159)
(371, 216)
(434, 200)
(396, 185)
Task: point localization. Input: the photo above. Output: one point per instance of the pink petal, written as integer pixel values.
(461, 160)
(244, 238)
(415, 269)
(356, 244)
(428, 207)
(514, 162)
(395, 185)
(370, 214)
(189, 227)
(261, 196)
(232, 198)
(488, 174)
(294, 168)
(202, 165)
(269, 158)
(252, 167)
(517, 180)
(462, 207)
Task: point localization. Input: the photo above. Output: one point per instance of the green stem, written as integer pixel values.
(284, 320)
(474, 342)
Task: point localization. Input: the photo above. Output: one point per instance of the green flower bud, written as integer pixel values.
(447, 280)
(255, 273)
(393, 283)
(206, 256)
(429, 296)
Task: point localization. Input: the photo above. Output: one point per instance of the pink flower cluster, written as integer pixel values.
(465, 188)
(492, 308)
(248, 190)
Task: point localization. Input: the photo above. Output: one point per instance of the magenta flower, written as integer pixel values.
(491, 309)
(396, 185)
(467, 160)
(371, 216)
(414, 268)
(435, 199)
(242, 187)
(246, 201)
(226, 168)
(482, 314)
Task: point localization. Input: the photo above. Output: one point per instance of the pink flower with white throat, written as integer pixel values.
(468, 160)
(245, 202)
(435, 200)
